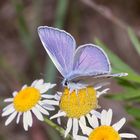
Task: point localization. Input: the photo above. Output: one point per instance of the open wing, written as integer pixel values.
(91, 65)
(60, 46)
(90, 60)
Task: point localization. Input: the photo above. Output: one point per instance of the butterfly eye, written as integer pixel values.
(66, 83)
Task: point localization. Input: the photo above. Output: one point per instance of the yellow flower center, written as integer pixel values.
(104, 133)
(78, 104)
(26, 99)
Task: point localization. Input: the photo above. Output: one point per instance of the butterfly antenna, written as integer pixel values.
(59, 77)
(42, 74)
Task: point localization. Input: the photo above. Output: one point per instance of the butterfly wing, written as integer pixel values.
(60, 46)
(91, 65)
(90, 59)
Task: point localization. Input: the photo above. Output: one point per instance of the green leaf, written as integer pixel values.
(128, 94)
(118, 65)
(132, 77)
(134, 39)
(23, 27)
(61, 12)
(127, 84)
(133, 111)
(136, 123)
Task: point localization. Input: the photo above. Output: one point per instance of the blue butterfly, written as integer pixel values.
(85, 66)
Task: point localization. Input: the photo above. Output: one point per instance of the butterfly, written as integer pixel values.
(85, 66)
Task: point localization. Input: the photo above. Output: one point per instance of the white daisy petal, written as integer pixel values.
(40, 103)
(37, 114)
(83, 120)
(7, 107)
(100, 85)
(46, 106)
(57, 97)
(8, 100)
(14, 93)
(10, 118)
(127, 135)
(46, 86)
(49, 107)
(50, 102)
(75, 127)
(89, 119)
(42, 110)
(69, 126)
(59, 114)
(103, 117)
(99, 93)
(34, 83)
(97, 87)
(59, 121)
(117, 126)
(42, 88)
(80, 138)
(94, 121)
(25, 121)
(86, 130)
(49, 85)
(59, 93)
(30, 119)
(52, 85)
(47, 96)
(18, 117)
(24, 87)
(109, 117)
(39, 83)
(96, 113)
(8, 111)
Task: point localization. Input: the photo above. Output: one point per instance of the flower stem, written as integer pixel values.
(58, 128)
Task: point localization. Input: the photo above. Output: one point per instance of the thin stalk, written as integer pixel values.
(59, 129)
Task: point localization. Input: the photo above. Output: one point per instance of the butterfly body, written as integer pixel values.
(85, 66)
(71, 85)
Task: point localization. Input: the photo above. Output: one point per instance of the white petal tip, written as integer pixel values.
(6, 124)
(58, 115)
(53, 117)
(128, 135)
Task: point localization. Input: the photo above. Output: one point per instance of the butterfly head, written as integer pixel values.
(65, 83)
(71, 85)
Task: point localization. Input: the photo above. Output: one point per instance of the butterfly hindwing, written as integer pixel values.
(90, 59)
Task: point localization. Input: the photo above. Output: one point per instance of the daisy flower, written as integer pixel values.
(105, 131)
(30, 100)
(78, 105)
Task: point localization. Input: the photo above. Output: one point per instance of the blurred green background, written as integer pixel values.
(112, 24)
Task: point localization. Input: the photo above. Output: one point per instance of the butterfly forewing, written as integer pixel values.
(60, 46)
